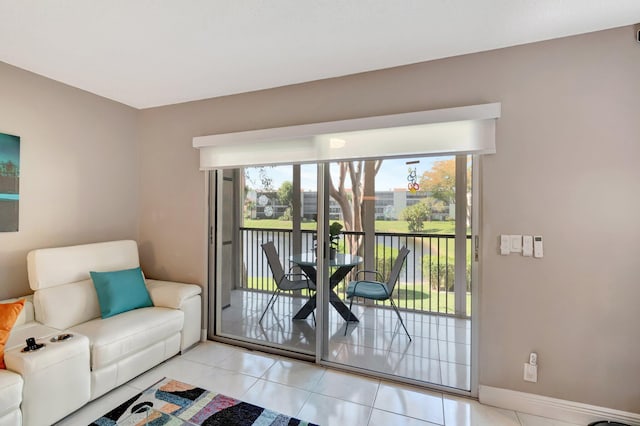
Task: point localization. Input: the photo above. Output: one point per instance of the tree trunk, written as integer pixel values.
(352, 212)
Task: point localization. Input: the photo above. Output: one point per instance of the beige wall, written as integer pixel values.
(568, 144)
(78, 160)
(566, 168)
(171, 239)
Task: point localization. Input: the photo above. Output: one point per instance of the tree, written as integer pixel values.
(440, 181)
(434, 206)
(351, 203)
(415, 215)
(285, 193)
(265, 181)
(8, 169)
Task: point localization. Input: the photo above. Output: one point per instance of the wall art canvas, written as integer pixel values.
(9, 182)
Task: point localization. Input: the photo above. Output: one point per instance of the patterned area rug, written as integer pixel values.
(193, 405)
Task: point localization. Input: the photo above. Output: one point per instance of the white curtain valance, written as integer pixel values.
(469, 129)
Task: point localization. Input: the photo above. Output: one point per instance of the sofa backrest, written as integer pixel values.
(52, 267)
(64, 293)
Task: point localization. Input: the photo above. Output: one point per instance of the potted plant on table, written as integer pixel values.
(335, 229)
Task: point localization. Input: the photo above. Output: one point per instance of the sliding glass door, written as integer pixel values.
(297, 246)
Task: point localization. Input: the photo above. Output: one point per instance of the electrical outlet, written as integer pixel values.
(533, 358)
(530, 372)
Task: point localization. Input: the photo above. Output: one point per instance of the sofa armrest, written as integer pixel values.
(185, 297)
(171, 295)
(11, 385)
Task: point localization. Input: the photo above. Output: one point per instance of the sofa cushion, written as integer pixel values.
(67, 305)
(120, 291)
(9, 313)
(10, 391)
(124, 334)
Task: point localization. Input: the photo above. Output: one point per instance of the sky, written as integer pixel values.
(392, 174)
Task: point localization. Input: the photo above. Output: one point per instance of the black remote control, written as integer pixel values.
(31, 344)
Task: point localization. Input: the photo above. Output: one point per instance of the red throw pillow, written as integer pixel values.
(8, 315)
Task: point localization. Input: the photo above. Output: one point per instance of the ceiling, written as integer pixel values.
(147, 53)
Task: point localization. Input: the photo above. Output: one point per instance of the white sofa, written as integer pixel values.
(11, 383)
(103, 353)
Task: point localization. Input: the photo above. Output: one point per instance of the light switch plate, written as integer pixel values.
(505, 245)
(516, 243)
(527, 245)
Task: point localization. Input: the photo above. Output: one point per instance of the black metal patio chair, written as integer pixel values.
(284, 282)
(378, 290)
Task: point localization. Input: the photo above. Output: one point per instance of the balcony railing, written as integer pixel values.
(426, 282)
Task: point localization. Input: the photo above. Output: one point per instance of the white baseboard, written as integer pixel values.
(560, 409)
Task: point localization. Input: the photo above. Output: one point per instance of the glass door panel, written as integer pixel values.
(271, 210)
(386, 205)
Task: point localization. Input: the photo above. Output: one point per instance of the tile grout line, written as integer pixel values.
(408, 416)
(518, 417)
(303, 405)
(373, 404)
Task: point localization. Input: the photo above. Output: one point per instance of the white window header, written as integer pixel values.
(469, 129)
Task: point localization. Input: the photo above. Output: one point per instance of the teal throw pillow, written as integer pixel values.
(120, 291)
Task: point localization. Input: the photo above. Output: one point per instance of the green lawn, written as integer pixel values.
(276, 224)
(400, 226)
(430, 227)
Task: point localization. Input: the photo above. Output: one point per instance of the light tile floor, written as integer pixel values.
(309, 392)
(440, 350)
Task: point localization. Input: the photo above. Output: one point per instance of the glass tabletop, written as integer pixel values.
(341, 259)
